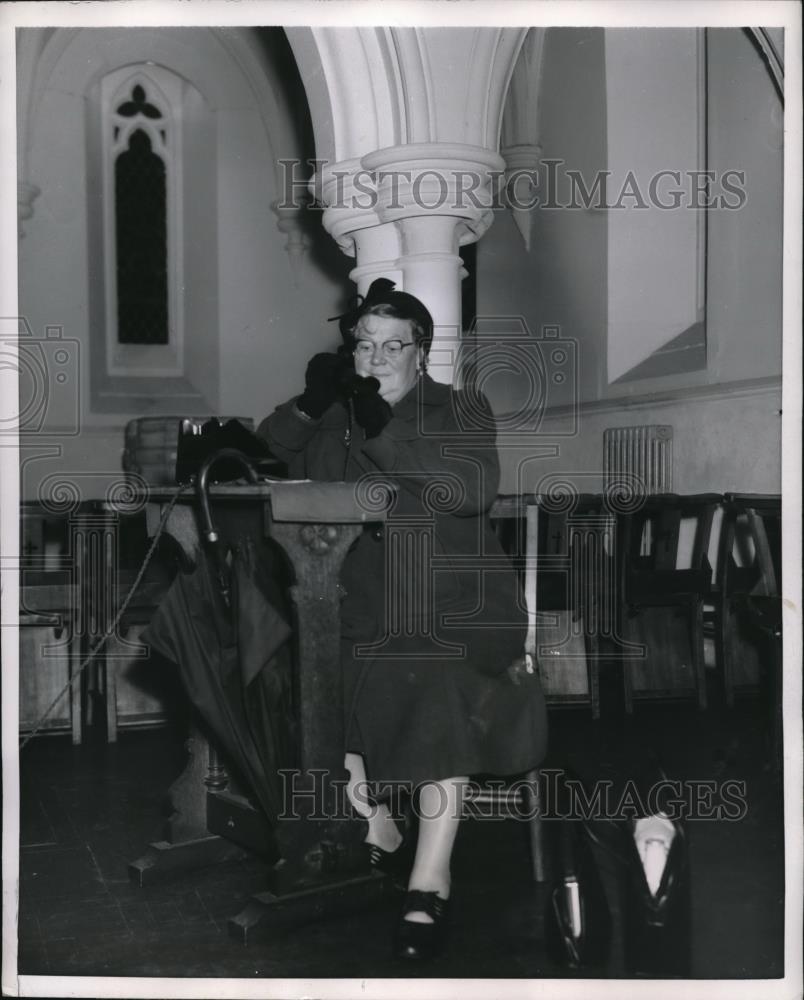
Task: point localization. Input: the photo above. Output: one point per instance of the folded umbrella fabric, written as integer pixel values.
(235, 662)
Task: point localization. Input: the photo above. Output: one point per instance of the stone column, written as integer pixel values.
(403, 212)
(407, 124)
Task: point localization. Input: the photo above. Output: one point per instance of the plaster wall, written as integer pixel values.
(721, 443)
(726, 421)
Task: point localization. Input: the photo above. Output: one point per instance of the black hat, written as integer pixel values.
(399, 305)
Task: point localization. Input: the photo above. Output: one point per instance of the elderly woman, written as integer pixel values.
(432, 617)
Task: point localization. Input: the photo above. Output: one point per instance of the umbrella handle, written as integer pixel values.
(202, 488)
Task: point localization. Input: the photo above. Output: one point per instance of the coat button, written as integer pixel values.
(378, 533)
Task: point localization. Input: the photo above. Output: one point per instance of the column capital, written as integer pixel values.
(348, 194)
(413, 180)
(524, 156)
(438, 178)
(289, 223)
(521, 178)
(26, 195)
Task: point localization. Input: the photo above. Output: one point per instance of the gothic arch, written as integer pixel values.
(374, 88)
(70, 57)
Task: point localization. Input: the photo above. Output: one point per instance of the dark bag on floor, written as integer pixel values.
(656, 929)
(578, 921)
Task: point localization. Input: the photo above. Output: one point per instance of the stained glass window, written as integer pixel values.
(138, 105)
(141, 228)
(141, 238)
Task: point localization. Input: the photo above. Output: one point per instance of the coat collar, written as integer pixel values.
(426, 392)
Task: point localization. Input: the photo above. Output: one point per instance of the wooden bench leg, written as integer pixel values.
(697, 644)
(110, 670)
(593, 666)
(627, 667)
(76, 698)
(723, 652)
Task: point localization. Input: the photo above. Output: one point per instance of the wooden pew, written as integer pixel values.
(662, 604)
(748, 574)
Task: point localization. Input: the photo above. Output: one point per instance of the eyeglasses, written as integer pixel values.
(391, 349)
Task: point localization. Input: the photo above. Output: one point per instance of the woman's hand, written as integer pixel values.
(324, 382)
(370, 409)
(521, 667)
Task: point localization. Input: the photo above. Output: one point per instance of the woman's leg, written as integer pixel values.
(382, 830)
(439, 811)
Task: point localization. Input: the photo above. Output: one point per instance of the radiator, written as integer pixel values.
(641, 457)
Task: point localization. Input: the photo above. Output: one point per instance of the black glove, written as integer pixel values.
(324, 382)
(370, 409)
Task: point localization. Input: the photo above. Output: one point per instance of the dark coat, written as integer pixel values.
(433, 614)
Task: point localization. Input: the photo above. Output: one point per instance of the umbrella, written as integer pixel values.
(234, 659)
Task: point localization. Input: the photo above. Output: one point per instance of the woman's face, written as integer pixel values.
(385, 348)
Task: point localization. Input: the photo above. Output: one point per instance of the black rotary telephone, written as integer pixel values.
(198, 440)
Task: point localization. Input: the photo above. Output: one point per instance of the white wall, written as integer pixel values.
(562, 280)
(727, 427)
(744, 315)
(655, 112)
(721, 443)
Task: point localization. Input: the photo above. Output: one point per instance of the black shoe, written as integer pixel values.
(396, 865)
(416, 941)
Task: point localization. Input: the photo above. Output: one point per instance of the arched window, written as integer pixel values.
(142, 194)
(140, 206)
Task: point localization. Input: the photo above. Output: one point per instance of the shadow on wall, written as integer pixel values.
(323, 252)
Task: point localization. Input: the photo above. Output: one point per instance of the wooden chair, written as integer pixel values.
(49, 606)
(49, 654)
(122, 663)
(515, 520)
(662, 603)
(748, 586)
(559, 552)
(557, 546)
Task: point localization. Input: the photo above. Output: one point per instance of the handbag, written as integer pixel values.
(577, 921)
(656, 927)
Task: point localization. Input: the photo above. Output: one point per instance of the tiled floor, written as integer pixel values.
(87, 811)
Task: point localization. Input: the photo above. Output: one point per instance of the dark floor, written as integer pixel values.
(87, 811)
